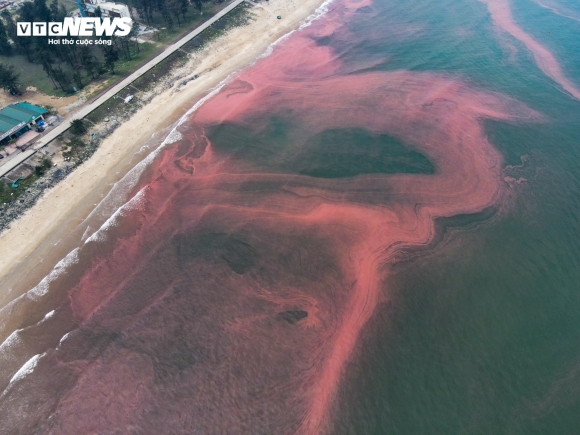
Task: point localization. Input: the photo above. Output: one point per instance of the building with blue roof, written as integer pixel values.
(18, 118)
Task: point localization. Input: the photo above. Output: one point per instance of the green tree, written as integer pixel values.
(132, 36)
(46, 62)
(90, 62)
(45, 165)
(10, 24)
(26, 13)
(111, 56)
(78, 79)
(57, 11)
(54, 9)
(5, 47)
(78, 127)
(62, 78)
(176, 8)
(167, 17)
(41, 11)
(145, 9)
(183, 7)
(122, 44)
(9, 79)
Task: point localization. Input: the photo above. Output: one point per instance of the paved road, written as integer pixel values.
(85, 110)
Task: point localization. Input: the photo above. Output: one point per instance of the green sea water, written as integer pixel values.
(335, 153)
(482, 334)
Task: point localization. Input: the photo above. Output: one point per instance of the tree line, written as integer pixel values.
(72, 66)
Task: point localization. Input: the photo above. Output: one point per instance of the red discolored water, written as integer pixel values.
(502, 16)
(229, 298)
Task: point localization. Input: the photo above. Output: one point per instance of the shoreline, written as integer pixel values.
(37, 240)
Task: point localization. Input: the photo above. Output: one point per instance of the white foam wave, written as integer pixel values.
(87, 231)
(26, 369)
(318, 13)
(12, 341)
(119, 193)
(173, 137)
(42, 288)
(64, 338)
(134, 203)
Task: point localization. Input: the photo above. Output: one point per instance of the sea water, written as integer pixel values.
(371, 230)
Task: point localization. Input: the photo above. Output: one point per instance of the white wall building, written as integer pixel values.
(108, 9)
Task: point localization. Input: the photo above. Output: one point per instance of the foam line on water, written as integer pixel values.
(11, 341)
(43, 286)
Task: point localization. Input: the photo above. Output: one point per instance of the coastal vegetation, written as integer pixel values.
(77, 127)
(10, 193)
(81, 141)
(9, 79)
(64, 69)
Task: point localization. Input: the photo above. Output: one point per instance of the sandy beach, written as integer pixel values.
(35, 242)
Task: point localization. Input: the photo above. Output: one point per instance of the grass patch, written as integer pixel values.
(240, 16)
(31, 74)
(77, 150)
(125, 67)
(111, 108)
(10, 194)
(192, 20)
